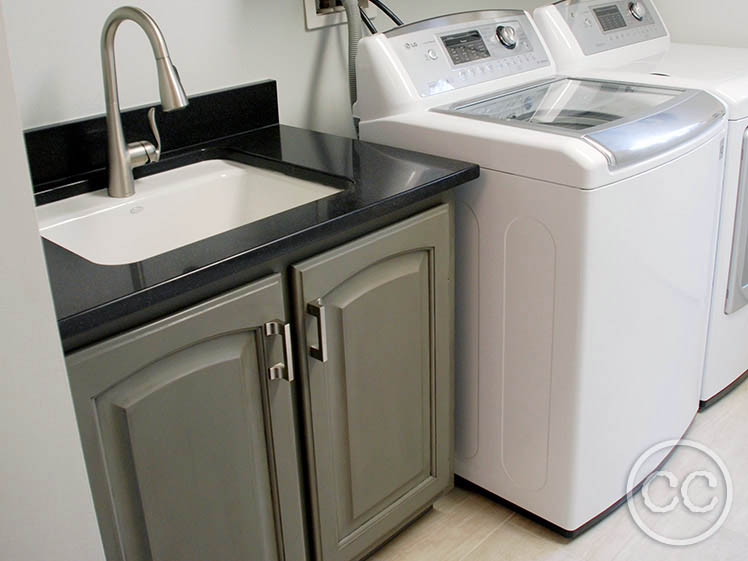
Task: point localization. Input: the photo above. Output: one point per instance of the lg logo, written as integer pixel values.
(685, 504)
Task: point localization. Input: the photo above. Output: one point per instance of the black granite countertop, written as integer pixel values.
(94, 301)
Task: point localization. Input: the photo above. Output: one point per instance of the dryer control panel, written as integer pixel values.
(460, 50)
(602, 25)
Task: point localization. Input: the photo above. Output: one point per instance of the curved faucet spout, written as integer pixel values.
(123, 157)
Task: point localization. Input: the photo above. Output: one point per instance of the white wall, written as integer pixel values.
(54, 48)
(56, 62)
(45, 503)
(721, 22)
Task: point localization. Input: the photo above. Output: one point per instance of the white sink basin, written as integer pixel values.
(172, 209)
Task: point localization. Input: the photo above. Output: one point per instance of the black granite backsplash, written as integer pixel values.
(60, 153)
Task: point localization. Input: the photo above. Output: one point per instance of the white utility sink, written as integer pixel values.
(172, 209)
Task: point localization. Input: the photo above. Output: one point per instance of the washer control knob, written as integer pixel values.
(432, 54)
(507, 35)
(638, 10)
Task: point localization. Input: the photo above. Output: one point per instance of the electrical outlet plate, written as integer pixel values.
(316, 20)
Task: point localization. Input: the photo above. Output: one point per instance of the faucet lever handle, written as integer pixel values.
(143, 152)
(154, 129)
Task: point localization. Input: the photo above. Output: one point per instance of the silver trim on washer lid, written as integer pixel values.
(452, 19)
(692, 114)
(627, 140)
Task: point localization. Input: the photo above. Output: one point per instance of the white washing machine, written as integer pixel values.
(584, 253)
(628, 40)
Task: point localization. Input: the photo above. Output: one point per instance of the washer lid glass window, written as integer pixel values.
(626, 122)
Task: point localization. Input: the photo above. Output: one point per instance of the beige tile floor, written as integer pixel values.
(464, 526)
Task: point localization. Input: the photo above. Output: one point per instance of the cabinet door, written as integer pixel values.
(177, 420)
(375, 335)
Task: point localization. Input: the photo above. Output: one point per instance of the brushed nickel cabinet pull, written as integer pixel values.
(318, 311)
(283, 370)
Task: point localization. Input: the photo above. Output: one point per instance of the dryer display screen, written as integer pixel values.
(610, 18)
(466, 47)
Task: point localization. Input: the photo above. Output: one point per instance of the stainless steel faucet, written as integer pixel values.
(123, 157)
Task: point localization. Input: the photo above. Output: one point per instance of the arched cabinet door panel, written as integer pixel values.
(374, 320)
(182, 428)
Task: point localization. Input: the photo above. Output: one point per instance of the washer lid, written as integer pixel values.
(628, 123)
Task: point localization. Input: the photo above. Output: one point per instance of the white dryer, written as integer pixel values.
(628, 40)
(584, 253)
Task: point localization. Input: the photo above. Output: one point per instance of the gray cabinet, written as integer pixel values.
(374, 325)
(190, 446)
(190, 425)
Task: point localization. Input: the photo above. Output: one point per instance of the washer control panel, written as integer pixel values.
(461, 50)
(602, 25)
